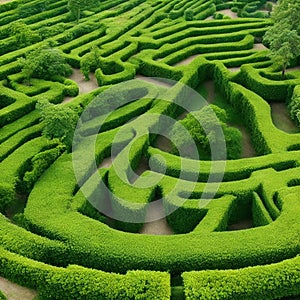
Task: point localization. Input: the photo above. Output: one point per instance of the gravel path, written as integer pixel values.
(84, 86)
(158, 227)
(15, 292)
(281, 118)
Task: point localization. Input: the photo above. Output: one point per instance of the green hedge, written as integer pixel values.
(294, 103)
(270, 282)
(19, 139)
(2, 296)
(76, 282)
(137, 252)
(79, 283)
(187, 168)
(270, 90)
(14, 165)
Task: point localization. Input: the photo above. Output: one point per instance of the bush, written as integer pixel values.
(44, 62)
(80, 283)
(2, 297)
(270, 282)
(189, 15)
(39, 164)
(203, 129)
(294, 104)
(59, 122)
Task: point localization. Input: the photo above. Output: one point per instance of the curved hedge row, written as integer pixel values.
(264, 282)
(61, 244)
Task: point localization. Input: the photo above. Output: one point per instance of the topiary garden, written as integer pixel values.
(233, 213)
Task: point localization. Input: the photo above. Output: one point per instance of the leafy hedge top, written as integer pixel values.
(117, 41)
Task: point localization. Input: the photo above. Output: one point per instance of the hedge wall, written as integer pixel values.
(274, 281)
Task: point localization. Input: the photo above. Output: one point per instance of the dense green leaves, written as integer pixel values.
(44, 62)
(203, 126)
(283, 37)
(2, 297)
(262, 282)
(118, 40)
(22, 34)
(59, 122)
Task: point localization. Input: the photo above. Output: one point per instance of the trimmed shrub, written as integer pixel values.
(270, 282)
(79, 283)
(294, 104)
(189, 15)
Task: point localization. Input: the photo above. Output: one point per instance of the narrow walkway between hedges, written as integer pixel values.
(153, 80)
(84, 86)
(16, 292)
(160, 225)
(281, 118)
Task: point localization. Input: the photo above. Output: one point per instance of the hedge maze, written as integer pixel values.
(53, 240)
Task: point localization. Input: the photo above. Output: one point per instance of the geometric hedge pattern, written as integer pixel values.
(53, 240)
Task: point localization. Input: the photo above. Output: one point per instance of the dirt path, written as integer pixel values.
(234, 69)
(5, 1)
(84, 86)
(163, 143)
(248, 150)
(259, 46)
(244, 224)
(106, 163)
(228, 12)
(143, 166)
(293, 69)
(153, 80)
(281, 118)
(211, 91)
(15, 292)
(186, 61)
(158, 227)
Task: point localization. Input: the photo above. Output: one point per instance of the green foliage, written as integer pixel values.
(32, 8)
(283, 38)
(2, 296)
(80, 283)
(262, 282)
(44, 62)
(46, 31)
(294, 104)
(286, 14)
(189, 15)
(39, 164)
(76, 6)
(129, 38)
(284, 45)
(59, 122)
(22, 34)
(202, 126)
(90, 62)
(7, 196)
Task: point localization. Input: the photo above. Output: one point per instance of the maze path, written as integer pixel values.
(59, 228)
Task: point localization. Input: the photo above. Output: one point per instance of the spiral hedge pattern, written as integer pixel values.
(58, 244)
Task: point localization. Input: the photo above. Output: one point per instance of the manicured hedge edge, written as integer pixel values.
(19, 139)
(105, 254)
(274, 281)
(24, 122)
(75, 282)
(14, 165)
(171, 165)
(270, 90)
